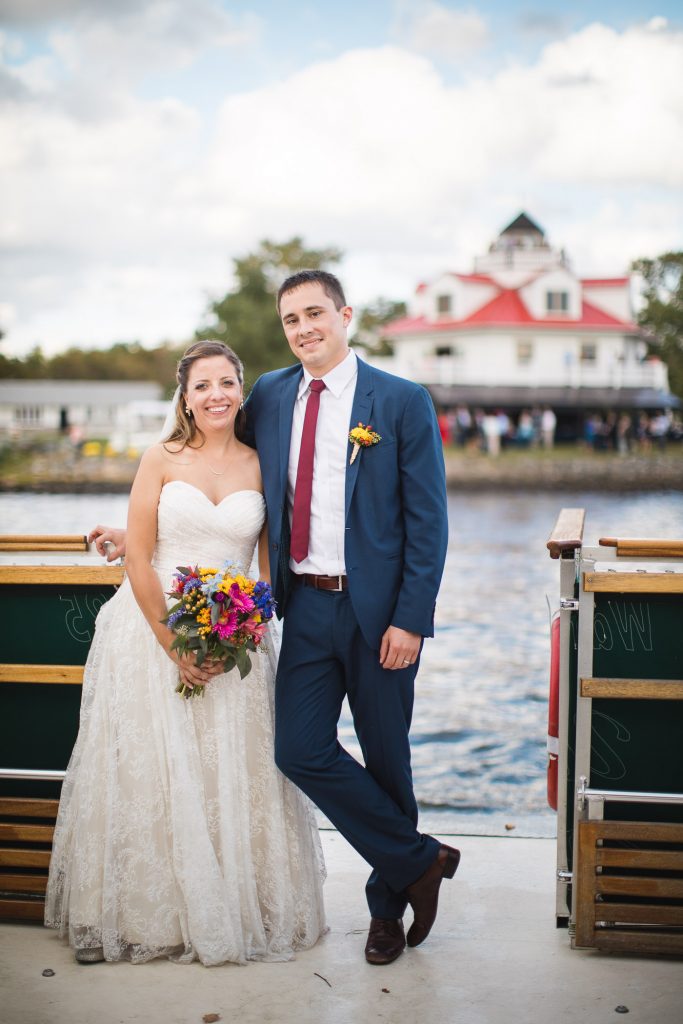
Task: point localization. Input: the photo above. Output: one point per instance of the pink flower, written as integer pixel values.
(226, 628)
(256, 630)
(240, 601)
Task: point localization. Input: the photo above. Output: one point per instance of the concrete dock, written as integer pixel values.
(494, 957)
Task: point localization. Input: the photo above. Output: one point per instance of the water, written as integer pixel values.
(479, 727)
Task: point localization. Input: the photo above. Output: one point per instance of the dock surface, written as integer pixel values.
(493, 957)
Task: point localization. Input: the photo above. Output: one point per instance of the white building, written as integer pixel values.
(125, 412)
(523, 330)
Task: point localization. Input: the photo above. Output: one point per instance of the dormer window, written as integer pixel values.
(443, 304)
(557, 302)
(525, 353)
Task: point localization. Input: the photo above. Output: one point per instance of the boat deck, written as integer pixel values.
(494, 957)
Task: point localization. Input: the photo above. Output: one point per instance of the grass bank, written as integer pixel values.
(59, 469)
(568, 467)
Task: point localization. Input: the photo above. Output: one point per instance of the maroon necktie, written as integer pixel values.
(301, 512)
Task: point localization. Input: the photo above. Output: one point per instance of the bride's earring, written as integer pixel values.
(188, 411)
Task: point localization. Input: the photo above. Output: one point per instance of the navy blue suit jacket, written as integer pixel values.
(396, 518)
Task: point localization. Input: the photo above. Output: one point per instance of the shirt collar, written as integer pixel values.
(337, 379)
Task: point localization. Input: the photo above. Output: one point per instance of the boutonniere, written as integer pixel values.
(362, 437)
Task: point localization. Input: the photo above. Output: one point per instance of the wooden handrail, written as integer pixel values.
(633, 582)
(641, 547)
(67, 574)
(567, 533)
(43, 542)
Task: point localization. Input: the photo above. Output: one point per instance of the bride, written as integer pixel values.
(176, 834)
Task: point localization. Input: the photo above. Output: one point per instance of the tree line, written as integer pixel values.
(246, 318)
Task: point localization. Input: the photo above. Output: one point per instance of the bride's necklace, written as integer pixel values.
(217, 472)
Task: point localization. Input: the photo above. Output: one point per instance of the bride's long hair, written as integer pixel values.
(184, 431)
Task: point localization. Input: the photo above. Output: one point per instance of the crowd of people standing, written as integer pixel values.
(625, 432)
(490, 431)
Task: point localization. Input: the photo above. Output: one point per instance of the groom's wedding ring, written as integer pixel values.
(406, 661)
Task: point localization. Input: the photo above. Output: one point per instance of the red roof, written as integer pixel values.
(476, 278)
(604, 282)
(508, 309)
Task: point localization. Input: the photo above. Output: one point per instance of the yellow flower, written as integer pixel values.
(362, 437)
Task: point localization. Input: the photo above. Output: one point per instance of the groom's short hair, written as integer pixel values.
(331, 285)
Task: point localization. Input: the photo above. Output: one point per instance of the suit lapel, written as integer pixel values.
(361, 412)
(287, 400)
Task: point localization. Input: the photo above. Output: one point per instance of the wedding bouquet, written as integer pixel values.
(219, 614)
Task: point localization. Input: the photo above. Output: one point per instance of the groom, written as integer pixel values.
(357, 548)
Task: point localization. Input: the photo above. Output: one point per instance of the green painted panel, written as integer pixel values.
(43, 625)
(52, 624)
(638, 744)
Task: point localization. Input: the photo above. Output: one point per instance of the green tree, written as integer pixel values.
(32, 366)
(246, 318)
(662, 315)
(121, 361)
(369, 322)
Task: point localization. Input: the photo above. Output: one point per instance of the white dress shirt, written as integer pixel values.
(332, 452)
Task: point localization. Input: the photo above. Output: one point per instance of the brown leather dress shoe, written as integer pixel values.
(423, 895)
(386, 941)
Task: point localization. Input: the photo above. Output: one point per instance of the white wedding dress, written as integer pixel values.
(176, 835)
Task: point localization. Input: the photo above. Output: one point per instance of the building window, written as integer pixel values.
(589, 352)
(443, 304)
(557, 302)
(525, 352)
(445, 350)
(28, 414)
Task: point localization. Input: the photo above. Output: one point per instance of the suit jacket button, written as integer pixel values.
(274, 547)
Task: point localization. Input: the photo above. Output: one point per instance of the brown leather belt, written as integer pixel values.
(309, 579)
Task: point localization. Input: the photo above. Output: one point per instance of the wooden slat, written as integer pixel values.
(23, 883)
(641, 547)
(627, 940)
(567, 533)
(638, 831)
(22, 910)
(20, 832)
(584, 896)
(22, 858)
(639, 913)
(627, 885)
(633, 582)
(42, 546)
(41, 673)
(633, 689)
(590, 885)
(111, 575)
(28, 807)
(44, 538)
(657, 860)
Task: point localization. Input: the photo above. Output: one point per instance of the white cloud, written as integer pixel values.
(159, 34)
(121, 216)
(431, 28)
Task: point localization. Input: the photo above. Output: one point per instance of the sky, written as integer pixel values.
(146, 144)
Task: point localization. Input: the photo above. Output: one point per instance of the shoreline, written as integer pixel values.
(566, 471)
(557, 470)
